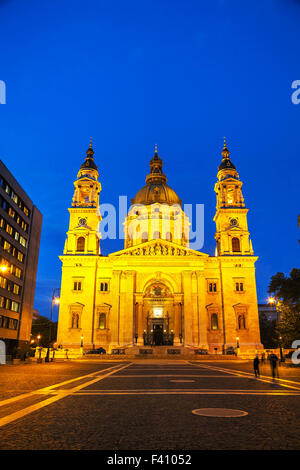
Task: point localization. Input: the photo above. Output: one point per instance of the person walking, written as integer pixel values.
(256, 366)
(274, 366)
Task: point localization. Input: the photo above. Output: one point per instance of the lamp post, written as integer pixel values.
(81, 345)
(55, 299)
(237, 345)
(280, 346)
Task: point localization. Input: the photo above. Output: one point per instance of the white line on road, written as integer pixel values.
(30, 409)
(29, 394)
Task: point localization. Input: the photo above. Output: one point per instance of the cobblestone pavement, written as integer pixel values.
(147, 405)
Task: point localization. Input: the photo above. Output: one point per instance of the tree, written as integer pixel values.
(42, 326)
(267, 332)
(286, 292)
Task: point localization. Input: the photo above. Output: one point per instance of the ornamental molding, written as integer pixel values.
(158, 248)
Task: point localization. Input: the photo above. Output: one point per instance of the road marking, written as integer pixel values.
(249, 376)
(124, 376)
(29, 394)
(30, 409)
(188, 392)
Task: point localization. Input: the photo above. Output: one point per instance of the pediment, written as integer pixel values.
(158, 248)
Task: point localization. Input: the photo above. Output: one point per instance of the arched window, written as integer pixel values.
(214, 321)
(156, 235)
(75, 320)
(169, 236)
(102, 321)
(144, 237)
(242, 322)
(236, 244)
(80, 244)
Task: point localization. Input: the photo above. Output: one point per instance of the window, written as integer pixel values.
(9, 229)
(7, 246)
(102, 321)
(23, 241)
(20, 256)
(239, 286)
(26, 211)
(241, 322)
(214, 321)
(75, 320)
(236, 245)
(15, 306)
(212, 287)
(6, 322)
(104, 286)
(17, 235)
(80, 244)
(169, 236)
(11, 212)
(144, 237)
(156, 235)
(3, 282)
(18, 273)
(77, 285)
(16, 289)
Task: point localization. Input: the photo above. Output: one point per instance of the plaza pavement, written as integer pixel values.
(147, 405)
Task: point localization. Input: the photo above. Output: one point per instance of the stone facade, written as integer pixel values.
(157, 281)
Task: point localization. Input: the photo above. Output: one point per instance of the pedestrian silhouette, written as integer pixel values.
(274, 365)
(256, 366)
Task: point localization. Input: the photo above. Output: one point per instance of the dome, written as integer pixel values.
(89, 160)
(156, 193)
(227, 165)
(156, 189)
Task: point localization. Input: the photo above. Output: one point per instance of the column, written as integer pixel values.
(140, 340)
(177, 320)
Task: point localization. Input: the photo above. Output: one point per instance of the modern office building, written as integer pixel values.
(20, 231)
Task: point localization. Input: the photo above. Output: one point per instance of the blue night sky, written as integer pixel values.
(131, 74)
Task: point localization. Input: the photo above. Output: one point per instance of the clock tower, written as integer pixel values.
(82, 236)
(232, 235)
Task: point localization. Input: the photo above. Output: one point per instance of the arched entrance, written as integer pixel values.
(159, 311)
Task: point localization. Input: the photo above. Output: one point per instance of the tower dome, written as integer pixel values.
(156, 189)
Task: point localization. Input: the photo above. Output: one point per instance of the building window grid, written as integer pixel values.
(17, 200)
(9, 323)
(12, 250)
(13, 232)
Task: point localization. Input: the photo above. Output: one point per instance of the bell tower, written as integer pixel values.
(232, 235)
(82, 237)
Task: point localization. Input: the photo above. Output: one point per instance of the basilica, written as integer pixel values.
(157, 290)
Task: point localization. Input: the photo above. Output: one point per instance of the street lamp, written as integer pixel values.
(237, 345)
(55, 299)
(280, 345)
(81, 344)
(3, 268)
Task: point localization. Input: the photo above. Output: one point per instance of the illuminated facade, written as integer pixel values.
(157, 284)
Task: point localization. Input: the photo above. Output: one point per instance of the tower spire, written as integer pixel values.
(226, 163)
